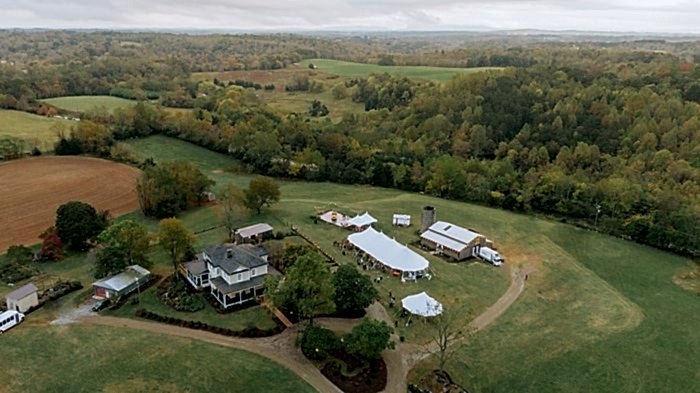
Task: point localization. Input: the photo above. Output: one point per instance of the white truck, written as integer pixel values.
(491, 256)
(9, 319)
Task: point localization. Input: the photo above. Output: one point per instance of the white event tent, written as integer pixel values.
(390, 253)
(422, 304)
(361, 221)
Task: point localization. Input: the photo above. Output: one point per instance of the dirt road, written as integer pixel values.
(279, 348)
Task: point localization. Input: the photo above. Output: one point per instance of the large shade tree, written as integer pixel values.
(353, 291)
(77, 223)
(177, 241)
(307, 289)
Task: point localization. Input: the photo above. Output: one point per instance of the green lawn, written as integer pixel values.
(249, 317)
(36, 130)
(80, 358)
(349, 69)
(85, 103)
(599, 314)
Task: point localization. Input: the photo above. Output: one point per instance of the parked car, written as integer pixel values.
(101, 305)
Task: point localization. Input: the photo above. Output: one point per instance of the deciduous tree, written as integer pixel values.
(177, 241)
(77, 223)
(262, 191)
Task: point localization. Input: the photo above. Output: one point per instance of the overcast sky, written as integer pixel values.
(672, 16)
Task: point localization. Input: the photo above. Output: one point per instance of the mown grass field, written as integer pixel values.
(86, 103)
(598, 314)
(350, 69)
(36, 130)
(81, 358)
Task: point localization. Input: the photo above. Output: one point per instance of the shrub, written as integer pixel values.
(317, 343)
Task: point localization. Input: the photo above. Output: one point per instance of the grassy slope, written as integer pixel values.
(31, 127)
(84, 103)
(348, 69)
(89, 358)
(599, 314)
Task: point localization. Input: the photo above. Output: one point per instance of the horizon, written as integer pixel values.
(646, 17)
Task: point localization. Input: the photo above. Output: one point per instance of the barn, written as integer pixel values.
(452, 240)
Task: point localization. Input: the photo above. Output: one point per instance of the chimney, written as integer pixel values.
(229, 252)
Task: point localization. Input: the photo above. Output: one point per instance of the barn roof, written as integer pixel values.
(22, 292)
(454, 232)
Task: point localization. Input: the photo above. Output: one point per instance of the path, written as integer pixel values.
(406, 356)
(279, 348)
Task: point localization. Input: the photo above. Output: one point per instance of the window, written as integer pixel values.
(252, 272)
(240, 276)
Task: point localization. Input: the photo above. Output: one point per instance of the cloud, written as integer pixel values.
(619, 15)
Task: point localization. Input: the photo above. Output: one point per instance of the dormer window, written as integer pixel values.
(252, 272)
(240, 276)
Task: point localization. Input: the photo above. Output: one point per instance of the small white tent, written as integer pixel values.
(361, 221)
(422, 304)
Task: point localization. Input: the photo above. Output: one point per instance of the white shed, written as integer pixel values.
(402, 220)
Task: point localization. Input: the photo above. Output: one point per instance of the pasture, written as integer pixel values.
(86, 103)
(598, 313)
(36, 130)
(34, 187)
(349, 69)
(285, 102)
(84, 358)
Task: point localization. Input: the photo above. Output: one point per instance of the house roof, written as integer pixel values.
(253, 230)
(362, 220)
(388, 251)
(22, 292)
(227, 288)
(454, 232)
(196, 267)
(242, 257)
(122, 280)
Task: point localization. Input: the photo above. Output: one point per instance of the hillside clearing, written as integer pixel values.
(86, 103)
(36, 130)
(349, 69)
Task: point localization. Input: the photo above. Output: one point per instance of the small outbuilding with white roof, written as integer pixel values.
(452, 240)
(393, 255)
(121, 284)
(254, 233)
(402, 220)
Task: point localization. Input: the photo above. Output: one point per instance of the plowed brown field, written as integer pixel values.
(32, 189)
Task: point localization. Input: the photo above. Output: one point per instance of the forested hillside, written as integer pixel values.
(602, 134)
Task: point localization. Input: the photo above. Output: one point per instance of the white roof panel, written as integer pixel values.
(454, 232)
(388, 251)
(443, 241)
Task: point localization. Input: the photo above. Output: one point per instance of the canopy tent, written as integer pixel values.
(388, 251)
(422, 304)
(361, 220)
